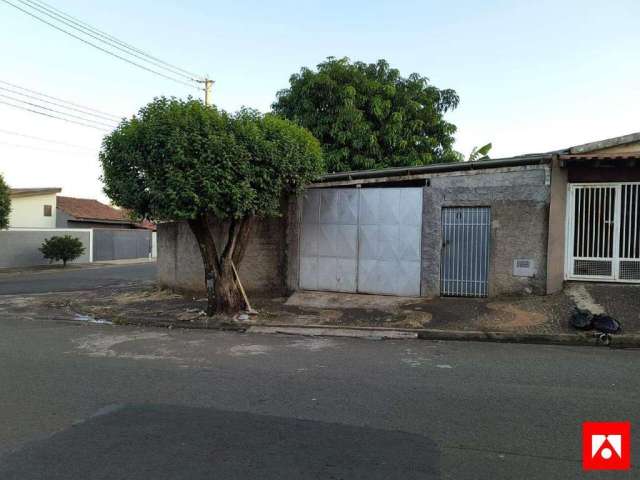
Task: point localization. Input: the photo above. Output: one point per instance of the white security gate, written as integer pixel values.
(362, 240)
(603, 234)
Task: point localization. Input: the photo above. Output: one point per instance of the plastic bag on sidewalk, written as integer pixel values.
(581, 319)
(605, 324)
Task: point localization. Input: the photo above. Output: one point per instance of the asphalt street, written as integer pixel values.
(72, 280)
(103, 402)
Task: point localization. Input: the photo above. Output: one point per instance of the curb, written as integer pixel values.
(385, 333)
(315, 331)
(378, 333)
(508, 337)
(578, 339)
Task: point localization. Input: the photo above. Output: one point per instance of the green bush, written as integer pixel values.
(64, 248)
(5, 204)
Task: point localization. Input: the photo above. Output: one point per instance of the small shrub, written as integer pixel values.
(5, 204)
(64, 248)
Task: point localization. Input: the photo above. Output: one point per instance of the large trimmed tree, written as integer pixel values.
(182, 160)
(369, 116)
(5, 204)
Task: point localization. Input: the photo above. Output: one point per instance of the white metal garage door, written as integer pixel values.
(329, 248)
(362, 240)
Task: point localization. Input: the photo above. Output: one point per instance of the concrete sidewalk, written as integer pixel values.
(126, 261)
(515, 319)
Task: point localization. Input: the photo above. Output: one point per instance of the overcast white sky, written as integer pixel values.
(532, 76)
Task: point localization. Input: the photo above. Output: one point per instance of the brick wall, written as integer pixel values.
(262, 269)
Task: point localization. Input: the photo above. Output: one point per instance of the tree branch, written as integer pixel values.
(243, 239)
(232, 235)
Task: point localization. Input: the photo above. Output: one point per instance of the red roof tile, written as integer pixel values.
(88, 209)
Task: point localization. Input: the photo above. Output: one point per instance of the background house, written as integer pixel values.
(33, 207)
(89, 213)
(115, 235)
(107, 233)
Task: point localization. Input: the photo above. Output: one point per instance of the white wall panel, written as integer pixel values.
(329, 243)
(389, 241)
(365, 240)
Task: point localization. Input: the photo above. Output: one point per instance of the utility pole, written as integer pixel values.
(207, 91)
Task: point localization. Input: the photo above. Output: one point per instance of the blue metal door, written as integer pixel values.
(464, 271)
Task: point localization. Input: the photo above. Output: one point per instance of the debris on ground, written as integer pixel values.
(606, 324)
(190, 314)
(582, 319)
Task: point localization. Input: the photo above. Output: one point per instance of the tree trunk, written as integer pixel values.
(228, 298)
(223, 293)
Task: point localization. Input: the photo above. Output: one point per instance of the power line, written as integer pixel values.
(7, 97)
(33, 97)
(111, 37)
(100, 112)
(101, 38)
(56, 142)
(100, 118)
(104, 37)
(108, 52)
(52, 116)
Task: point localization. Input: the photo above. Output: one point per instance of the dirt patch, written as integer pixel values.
(512, 317)
(416, 319)
(324, 300)
(153, 295)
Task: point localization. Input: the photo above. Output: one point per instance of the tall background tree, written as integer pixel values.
(181, 160)
(369, 116)
(5, 203)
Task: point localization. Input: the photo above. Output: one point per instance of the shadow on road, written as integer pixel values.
(171, 442)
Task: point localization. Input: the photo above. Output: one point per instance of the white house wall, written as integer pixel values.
(28, 211)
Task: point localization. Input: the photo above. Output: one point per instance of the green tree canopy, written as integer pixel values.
(369, 116)
(5, 204)
(181, 160)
